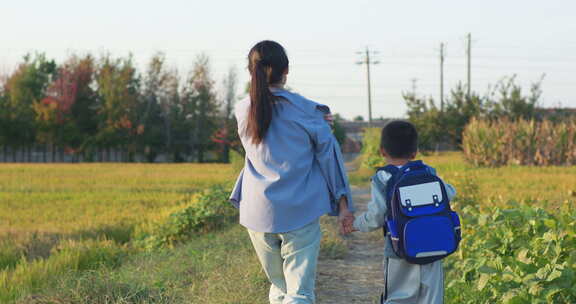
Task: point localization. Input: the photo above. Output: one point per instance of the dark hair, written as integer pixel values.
(399, 139)
(267, 62)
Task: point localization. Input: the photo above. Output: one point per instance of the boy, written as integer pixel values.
(404, 282)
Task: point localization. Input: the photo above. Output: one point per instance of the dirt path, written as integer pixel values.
(358, 277)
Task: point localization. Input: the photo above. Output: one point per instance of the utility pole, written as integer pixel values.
(442, 77)
(368, 62)
(468, 56)
(414, 80)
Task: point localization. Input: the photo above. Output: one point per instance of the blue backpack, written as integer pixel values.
(421, 225)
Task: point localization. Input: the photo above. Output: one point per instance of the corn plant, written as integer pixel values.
(520, 142)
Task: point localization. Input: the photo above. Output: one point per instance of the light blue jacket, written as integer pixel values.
(296, 174)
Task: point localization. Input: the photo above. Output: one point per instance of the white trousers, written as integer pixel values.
(289, 261)
(412, 283)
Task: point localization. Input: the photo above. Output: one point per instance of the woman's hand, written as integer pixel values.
(329, 118)
(345, 217)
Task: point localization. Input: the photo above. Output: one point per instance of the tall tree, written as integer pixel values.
(4, 122)
(338, 129)
(226, 136)
(426, 117)
(84, 109)
(507, 99)
(435, 126)
(117, 87)
(65, 117)
(169, 102)
(230, 83)
(23, 88)
(151, 120)
(201, 103)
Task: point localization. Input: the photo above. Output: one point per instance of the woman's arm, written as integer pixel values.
(330, 160)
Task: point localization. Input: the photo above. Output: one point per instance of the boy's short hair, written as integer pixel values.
(399, 139)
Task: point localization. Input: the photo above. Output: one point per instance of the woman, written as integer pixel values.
(293, 174)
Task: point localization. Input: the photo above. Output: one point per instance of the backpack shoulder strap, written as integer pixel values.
(387, 190)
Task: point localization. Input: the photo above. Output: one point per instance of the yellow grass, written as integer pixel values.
(57, 219)
(554, 184)
(79, 198)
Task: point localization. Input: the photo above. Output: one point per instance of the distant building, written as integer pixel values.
(556, 113)
(355, 130)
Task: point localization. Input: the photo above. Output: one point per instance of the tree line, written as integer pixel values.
(443, 124)
(89, 107)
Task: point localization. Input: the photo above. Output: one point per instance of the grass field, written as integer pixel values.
(83, 198)
(79, 201)
(217, 267)
(553, 185)
(69, 233)
(58, 218)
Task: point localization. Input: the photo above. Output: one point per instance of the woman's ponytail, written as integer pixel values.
(267, 64)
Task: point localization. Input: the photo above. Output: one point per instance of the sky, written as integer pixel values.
(523, 38)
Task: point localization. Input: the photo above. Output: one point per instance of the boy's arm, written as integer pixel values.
(375, 216)
(450, 190)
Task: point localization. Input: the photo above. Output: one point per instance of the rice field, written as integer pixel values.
(61, 218)
(68, 199)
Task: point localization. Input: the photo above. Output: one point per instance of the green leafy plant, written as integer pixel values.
(520, 254)
(206, 211)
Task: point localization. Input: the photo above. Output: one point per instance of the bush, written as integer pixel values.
(442, 127)
(206, 211)
(370, 154)
(519, 142)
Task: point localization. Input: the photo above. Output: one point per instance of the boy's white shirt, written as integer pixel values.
(375, 216)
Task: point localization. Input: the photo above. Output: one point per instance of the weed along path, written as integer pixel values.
(357, 278)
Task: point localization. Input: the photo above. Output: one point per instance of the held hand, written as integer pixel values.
(345, 217)
(347, 225)
(329, 118)
(346, 221)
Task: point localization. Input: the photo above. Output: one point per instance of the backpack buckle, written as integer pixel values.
(435, 199)
(409, 204)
